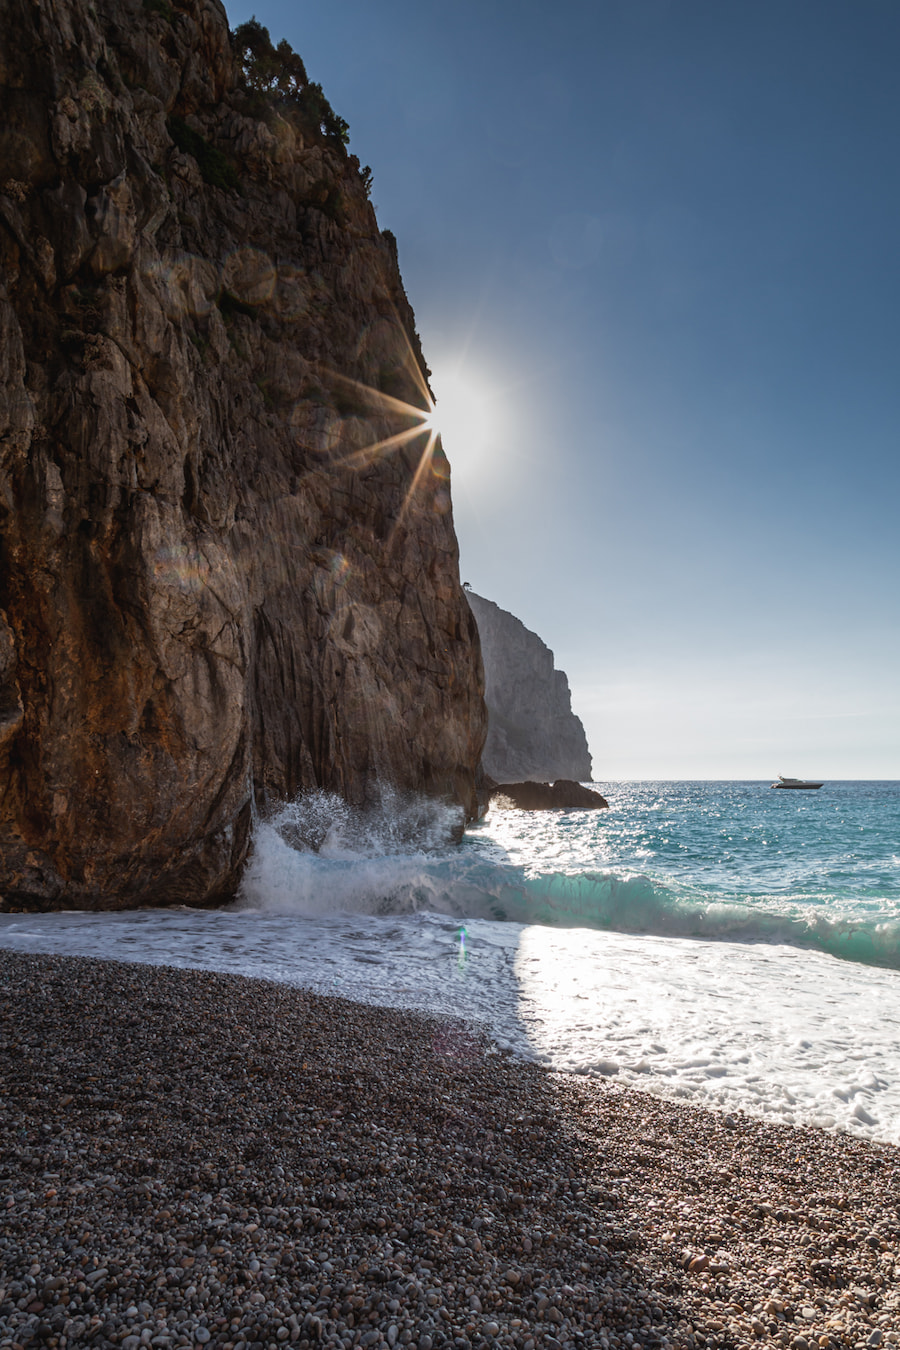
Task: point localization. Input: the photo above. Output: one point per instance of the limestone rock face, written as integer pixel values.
(215, 588)
(532, 730)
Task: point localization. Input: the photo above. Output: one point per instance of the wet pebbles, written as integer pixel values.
(191, 1159)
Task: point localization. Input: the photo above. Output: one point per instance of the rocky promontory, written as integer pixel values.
(532, 731)
(228, 568)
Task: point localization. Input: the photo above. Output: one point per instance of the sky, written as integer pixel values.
(653, 248)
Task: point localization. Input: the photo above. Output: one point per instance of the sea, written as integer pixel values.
(714, 943)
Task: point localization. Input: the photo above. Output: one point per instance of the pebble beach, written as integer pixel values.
(198, 1159)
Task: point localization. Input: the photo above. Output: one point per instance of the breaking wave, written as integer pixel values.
(319, 856)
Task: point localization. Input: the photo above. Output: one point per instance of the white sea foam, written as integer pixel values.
(782, 1032)
(789, 1035)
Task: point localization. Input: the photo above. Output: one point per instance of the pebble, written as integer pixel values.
(191, 1159)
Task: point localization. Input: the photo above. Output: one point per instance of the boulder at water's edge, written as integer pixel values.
(563, 795)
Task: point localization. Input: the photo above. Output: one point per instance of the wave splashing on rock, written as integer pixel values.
(320, 853)
(393, 822)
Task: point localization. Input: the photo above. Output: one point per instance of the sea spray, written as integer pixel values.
(391, 822)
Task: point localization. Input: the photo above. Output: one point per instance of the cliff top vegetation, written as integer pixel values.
(276, 74)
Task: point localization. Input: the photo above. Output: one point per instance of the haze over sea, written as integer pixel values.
(720, 943)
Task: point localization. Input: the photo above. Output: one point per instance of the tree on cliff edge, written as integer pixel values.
(279, 72)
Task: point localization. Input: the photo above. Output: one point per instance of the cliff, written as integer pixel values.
(532, 730)
(218, 584)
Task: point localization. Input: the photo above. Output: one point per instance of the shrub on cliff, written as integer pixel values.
(278, 73)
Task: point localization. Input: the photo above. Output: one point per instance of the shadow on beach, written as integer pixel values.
(194, 1158)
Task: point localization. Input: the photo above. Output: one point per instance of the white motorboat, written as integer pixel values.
(794, 783)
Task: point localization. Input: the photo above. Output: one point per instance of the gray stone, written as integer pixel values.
(532, 730)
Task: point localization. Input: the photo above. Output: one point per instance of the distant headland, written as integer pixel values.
(532, 731)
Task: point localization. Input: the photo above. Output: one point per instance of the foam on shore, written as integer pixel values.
(768, 1029)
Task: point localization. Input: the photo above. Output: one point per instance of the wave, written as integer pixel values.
(637, 904)
(320, 856)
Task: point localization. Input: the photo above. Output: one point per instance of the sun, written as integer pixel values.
(462, 411)
(463, 415)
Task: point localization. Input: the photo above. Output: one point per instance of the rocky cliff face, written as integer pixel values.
(214, 584)
(532, 731)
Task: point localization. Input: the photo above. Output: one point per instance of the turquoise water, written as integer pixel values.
(746, 838)
(732, 860)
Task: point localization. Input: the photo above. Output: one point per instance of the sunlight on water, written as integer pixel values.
(793, 1036)
(735, 860)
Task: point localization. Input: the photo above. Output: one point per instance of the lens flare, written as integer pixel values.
(182, 567)
(184, 284)
(339, 568)
(463, 955)
(418, 418)
(248, 275)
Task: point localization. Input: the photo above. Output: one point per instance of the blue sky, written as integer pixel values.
(660, 237)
